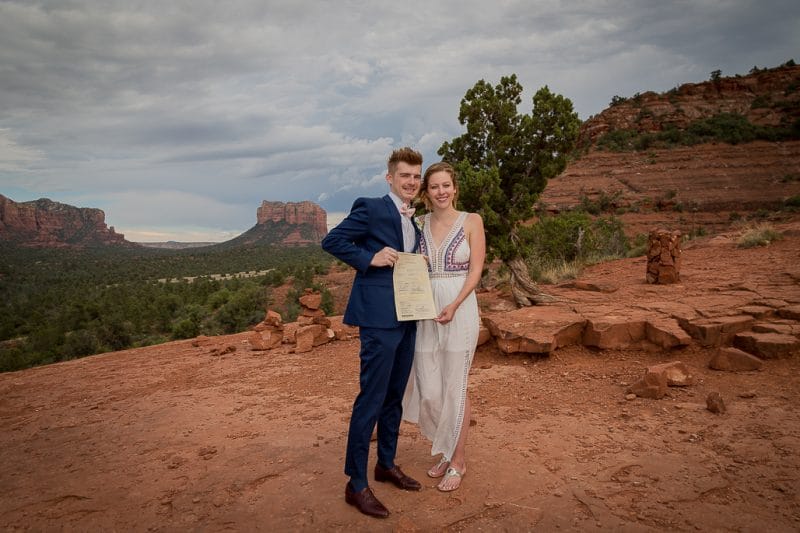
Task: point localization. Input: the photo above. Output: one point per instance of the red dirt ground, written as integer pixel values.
(174, 438)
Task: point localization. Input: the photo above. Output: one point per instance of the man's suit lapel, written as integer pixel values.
(417, 235)
(394, 214)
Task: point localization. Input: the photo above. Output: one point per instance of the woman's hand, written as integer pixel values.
(447, 314)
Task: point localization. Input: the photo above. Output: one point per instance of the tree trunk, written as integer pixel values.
(523, 288)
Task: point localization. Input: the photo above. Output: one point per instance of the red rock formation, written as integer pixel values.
(294, 213)
(765, 97)
(44, 223)
(288, 224)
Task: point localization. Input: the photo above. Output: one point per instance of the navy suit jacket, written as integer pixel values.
(372, 224)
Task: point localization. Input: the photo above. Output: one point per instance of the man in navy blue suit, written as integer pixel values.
(369, 239)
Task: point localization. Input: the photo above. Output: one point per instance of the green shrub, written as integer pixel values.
(757, 235)
(639, 246)
(327, 302)
(603, 204)
(617, 100)
(792, 201)
(186, 329)
(559, 272)
(617, 140)
(80, 343)
(731, 128)
(245, 308)
(760, 101)
(572, 237)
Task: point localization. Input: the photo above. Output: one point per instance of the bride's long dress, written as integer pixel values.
(437, 389)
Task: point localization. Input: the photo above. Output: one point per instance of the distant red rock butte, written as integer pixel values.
(44, 223)
(295, 214)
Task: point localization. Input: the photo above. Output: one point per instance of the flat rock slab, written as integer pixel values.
(614, 331)
(717, 330)
(781, 326)
(767, 345)
(734, 360)
(791, 311)
(539, 329)
(666, 332)
(719, 304)
(590, 286)
(757, 311)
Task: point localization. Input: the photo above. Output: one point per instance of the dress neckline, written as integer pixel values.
(457, 223)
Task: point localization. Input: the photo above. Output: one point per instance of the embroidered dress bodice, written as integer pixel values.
(451, 257)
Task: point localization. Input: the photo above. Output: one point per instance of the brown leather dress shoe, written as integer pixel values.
(365, 501)
(396, 476)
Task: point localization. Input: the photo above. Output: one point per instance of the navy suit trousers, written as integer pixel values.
(386, 357)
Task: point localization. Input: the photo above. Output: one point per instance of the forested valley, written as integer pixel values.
(59, 304)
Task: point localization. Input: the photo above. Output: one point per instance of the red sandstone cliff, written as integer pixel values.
(287, 224)
(294, 213)
(709, 186)
(44, 223)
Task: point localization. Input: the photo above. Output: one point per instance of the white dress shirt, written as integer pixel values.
(409, 235)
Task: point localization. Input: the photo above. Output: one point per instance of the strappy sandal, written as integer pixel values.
(439, 469)
(451, 473)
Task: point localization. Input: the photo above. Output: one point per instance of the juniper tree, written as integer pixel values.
(504, 161)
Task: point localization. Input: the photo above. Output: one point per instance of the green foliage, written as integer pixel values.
(760, 101)
(639, 246)
(58, 304)
(757, 235)
(792, 201)
(505, 158)
(617, 100)
(604, 203)
(716, 75)
(327, 302)
(572, 237)
(618, 140)
(729, 128)
(246, 307)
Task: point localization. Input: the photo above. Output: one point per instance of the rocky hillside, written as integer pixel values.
(287, 224)
(44, 223)
(769, 97)
(650, 182)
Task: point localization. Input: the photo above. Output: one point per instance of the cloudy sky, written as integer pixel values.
(178, 117)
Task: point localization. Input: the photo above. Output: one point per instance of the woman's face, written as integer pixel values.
(441, 190)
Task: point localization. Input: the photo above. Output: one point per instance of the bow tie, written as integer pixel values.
(407, 211)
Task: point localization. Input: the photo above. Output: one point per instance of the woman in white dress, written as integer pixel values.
(436, 397)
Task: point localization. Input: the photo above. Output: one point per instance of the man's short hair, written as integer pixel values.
(406, 155)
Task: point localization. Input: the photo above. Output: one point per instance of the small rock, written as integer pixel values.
(652, 385)
(714, 403)
(207, 452)
(630, 396)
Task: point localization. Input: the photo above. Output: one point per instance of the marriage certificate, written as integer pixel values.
(413, 297)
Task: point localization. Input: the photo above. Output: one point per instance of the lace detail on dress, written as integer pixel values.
(451, 259)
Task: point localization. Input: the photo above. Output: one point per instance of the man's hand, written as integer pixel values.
(385, 257)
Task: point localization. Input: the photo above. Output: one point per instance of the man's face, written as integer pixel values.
(405, 181)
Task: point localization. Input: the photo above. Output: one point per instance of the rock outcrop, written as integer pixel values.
(765, 97)
(286, 224)
(44, 223)
(687, 187)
